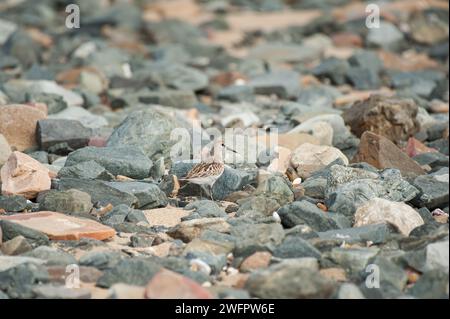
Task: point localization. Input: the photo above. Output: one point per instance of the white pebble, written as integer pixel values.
(276, 217)
(200, 265)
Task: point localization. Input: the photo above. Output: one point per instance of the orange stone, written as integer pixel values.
(167, 284)
(258, 260)
(336, 274)
(23, 175)
(58, 226)
(18, 125)
(167, 216)
(345, 39)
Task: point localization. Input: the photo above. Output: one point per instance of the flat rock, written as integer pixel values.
(18, 125)
(295, 247)
(61, 227)
(381, 153)
(51, 132)
(23, 175)
(99, 191)
(119, 160)
(377, 234)
(378, 210)
(166, 216)
(167, 284)
(392, 118)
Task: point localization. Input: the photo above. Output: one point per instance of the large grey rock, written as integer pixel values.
(232, 180)
(305, 213)
(376, 234)
(277, 188)
(296, 247)
(390, 272)
(150, 130)
(433, 193)
(437, 256)
(13, 203)
(348, 188)
(257, 237)
(70, 201)
(132, 271)
(431, 285)
(50, 132)
(119, 160)
(117, 215)
(206, 209)
(289, 280)
(100, 259)
(148, 195)
(99, 191)
(86, 170)
(19, 274)
(353, 260)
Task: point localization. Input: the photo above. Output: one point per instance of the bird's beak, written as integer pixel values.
(230, 149)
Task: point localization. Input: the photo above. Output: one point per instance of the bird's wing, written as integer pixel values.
(205, 170)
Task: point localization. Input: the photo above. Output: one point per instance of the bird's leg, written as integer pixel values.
(211, 192)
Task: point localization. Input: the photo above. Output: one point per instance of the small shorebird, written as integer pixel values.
(210, 169)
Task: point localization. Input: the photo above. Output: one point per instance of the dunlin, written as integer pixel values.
(210, 169)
